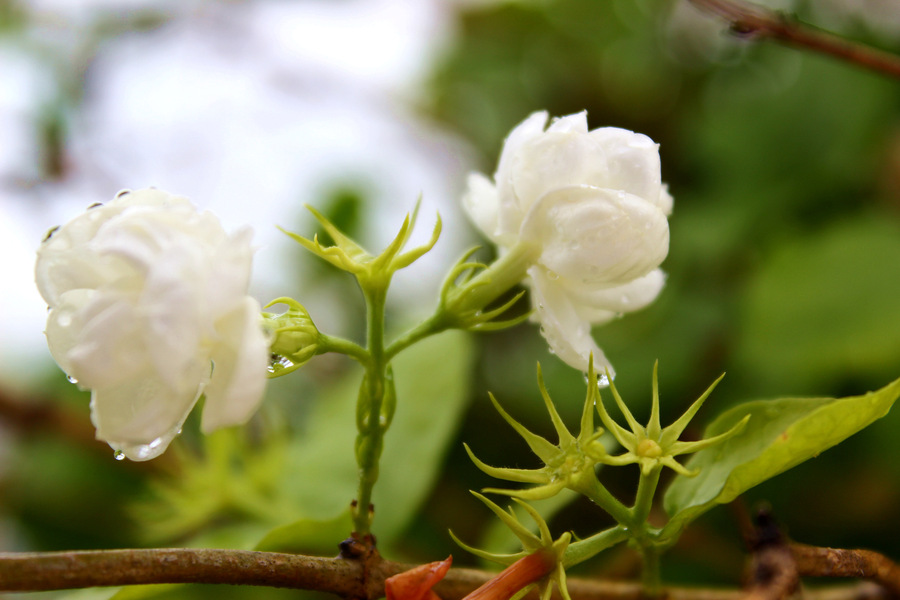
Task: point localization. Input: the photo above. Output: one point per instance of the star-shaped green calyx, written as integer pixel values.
(539, 563)
(570, 463)
(349, 256)
(653, 447)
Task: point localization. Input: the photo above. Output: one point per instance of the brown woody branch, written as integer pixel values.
(751, 20)
(349, 578)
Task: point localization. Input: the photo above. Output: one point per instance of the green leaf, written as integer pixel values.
(823, 306)
(781, 434)
(307, 535)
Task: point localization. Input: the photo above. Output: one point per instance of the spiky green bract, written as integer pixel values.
(653, 447)
(540, 563)
(471, 287)
(568, 464)
(371, 271)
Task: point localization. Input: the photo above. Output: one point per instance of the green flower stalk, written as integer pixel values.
(377, 398)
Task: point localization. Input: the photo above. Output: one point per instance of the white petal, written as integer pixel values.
(140, 417)
(576, 123)
(110, 348)
(629, 297)
(598, 237)
(173, 311)
(557, 160)
(239, 377)
(568, 335)
(482, 204)
(510, 213)
(632, 162)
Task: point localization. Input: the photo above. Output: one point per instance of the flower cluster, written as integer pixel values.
(593, 204)
(149, 309)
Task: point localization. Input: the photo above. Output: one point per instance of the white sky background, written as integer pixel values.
(249, 109)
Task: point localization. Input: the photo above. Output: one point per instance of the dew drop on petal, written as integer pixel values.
(119, 455)
(552, 275)
(71, 379)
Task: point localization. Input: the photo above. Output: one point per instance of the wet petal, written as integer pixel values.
(482, 204)
(568, 335)
(597, 237)
(239, 376)
(141, 416)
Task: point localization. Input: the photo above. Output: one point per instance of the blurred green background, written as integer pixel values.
(783, 271)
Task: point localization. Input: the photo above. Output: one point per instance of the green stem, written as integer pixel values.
(433, 325)
(580, 551)
(329, 343)
(650, 574)
(599, 495)
(643, 500)
(370, 438)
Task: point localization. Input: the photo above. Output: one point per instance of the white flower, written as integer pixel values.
(594, 203)
(149, 309)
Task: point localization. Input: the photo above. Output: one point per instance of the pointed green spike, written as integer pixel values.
(541, 447)
(541, 492)
(653, 427)
(407, 258)
(690, 447)
(636, 427)
(354, 249)
(458, 268)
(565, 437)
(586, 433)
(622, 435)
(546, 538)
(518, 475)
(547, 591)
(497, 325)
(496, 312)
(623, 459)
(503, 559)
(674, 431)
(561, 582)
(509, 518)
(390, 252)
(678, 467)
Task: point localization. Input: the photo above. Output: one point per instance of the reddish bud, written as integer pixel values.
(525, 571)
(416, 583)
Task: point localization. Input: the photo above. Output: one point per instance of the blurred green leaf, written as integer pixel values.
(304, 534)
(781, 434)
(825, 305)
(432, 388)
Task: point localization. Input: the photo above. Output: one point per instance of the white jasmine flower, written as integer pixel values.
(594, 203)
(149, 309)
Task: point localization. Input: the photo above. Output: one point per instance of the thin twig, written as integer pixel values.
(751, 20)
(832, 562)
(339, 576)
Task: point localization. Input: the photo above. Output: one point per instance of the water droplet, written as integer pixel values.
(71, 379)
(123, 193)
(602, 380)
(119, 455)
(279, 363)
(50, 233)
(552, 275)
(64, 319)
(95, 205)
